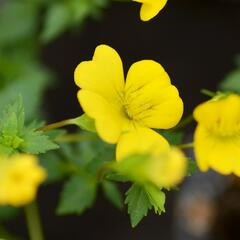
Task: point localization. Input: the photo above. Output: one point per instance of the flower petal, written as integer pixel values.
(150, 97)
(222, 116)
(108, 120)
(219, 153)
(139, 141)
(150, 8)
(103, 75)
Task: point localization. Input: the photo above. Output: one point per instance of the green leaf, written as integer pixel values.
(78, 194)
(85, 123)
(231, 82)
(18, 21)
(58, 18)
(192, 167)
(112, 193)
(156, 197)
(174, 138)
(36, 142)
(7, 213)
(113, 176)
(54, 165)
(138, 204)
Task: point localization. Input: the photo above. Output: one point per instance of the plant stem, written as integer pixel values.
(33, 221)
(208, 93)
(57, 125)
(185, 146)
(75, 137)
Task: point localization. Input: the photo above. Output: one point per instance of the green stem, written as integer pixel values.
(186, 145)
(33, 221)
(75, 137)
(208, 93)
(57, 125)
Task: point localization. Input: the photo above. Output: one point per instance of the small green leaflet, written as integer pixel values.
(138, 204)
(140, 199)
(16, 137)
(112, 193)
(78, 194)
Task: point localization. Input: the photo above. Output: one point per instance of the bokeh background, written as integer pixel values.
(197, 42)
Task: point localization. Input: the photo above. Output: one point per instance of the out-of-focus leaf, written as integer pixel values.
(192, 167)
(6, 235)
(113, 194)
(174, 138)
(18, 21)
(58, 18)
(7, 213)
(55, 167)
(78, 194)
(231, 82)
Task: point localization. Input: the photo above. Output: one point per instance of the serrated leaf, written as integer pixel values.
(156, 197)
(12, 118)
(138, 204)
(36, 142)
(78, 194)
(112, 193)
(85, 123)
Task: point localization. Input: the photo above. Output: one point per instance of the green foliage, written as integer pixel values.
(112, 193)
(7, 213)
(173, 137)
(18, 21)
(62, 15)
(192, 167)
(16, 137)
(231, 82)
(156, 198)
(85, 123)
(140, 199)
(138, 204)
(78, 194)
(134, 168)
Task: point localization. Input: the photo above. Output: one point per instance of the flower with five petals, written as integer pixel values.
(125, 112)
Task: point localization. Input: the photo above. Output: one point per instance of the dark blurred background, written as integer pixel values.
(196, 41)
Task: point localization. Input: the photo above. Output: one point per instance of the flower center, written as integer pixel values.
(225, 129)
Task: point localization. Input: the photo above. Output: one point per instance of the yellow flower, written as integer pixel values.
(20, 176)
(169, 168)
(217, 137)
(150, 8)
(166, 169)
(123, 111)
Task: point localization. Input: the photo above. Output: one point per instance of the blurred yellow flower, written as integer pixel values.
(20, 176)
(165, 169)
(168, 169)
(217, 136)
(150, 8)
(125, 112)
